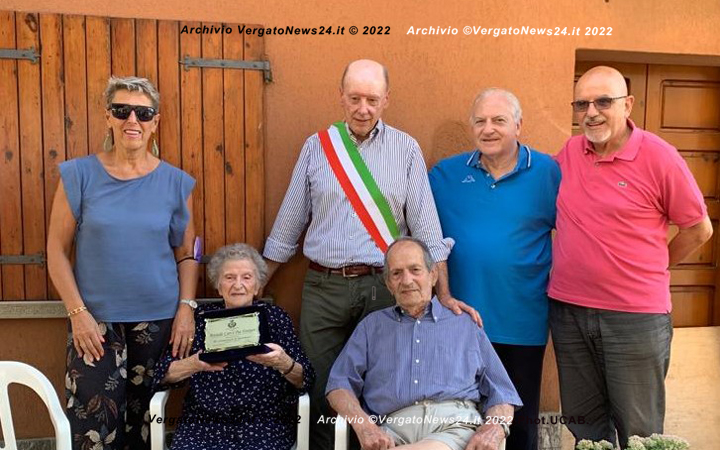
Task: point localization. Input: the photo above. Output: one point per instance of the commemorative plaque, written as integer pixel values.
(234, 333)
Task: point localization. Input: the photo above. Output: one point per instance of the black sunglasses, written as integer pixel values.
(122, 111)
(600, 103)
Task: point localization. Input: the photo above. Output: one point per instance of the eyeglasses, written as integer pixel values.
(600, 103)
(122, 111)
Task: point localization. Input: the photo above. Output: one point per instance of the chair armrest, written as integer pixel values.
(341, 433)
(303, 426)
(157, 420)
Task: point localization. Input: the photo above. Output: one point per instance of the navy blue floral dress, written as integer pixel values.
(245, 406)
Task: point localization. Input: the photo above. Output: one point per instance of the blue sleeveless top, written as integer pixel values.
(126, 230)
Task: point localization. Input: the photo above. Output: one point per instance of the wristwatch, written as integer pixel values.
(506, 429)
(191, 303)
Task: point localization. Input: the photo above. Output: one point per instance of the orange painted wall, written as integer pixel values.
(433, 78)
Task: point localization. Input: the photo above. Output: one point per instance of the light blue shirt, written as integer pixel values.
(502, 230)
(126, 230)
(393, 360)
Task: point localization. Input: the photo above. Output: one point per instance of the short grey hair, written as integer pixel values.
(427, 257)
(509, 96)
(132, 84)
(236, 252)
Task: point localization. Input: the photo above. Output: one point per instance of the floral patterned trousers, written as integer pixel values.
(107, 400)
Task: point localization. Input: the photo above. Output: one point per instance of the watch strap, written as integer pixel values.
(506, 429)
(191, 303)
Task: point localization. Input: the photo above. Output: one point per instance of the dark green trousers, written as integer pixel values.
(331, 308)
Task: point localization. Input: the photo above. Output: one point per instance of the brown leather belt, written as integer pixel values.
(357, 270)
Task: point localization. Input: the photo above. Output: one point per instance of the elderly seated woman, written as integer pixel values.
(250, 403)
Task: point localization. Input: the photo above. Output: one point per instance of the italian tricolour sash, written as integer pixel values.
(360, 188)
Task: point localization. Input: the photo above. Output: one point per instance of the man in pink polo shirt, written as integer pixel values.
(610, 284)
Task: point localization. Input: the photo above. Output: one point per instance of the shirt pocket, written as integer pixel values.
(451, 366)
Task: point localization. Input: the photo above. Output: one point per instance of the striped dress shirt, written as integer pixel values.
(393, 360)
(336, 237)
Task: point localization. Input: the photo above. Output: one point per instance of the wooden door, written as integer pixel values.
(683, 107)
(53, 110)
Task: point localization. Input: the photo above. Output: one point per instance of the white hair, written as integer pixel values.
(509, 96)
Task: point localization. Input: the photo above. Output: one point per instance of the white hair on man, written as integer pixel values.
(509, 96)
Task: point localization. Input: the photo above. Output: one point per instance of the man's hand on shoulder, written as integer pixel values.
(372, 437)
(487, 437)
(458, 307)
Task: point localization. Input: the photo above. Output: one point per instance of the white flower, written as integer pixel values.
(87, 358)
(71, 385)
(141, 326)
(68, 382)
(98, 442)
(138, 378)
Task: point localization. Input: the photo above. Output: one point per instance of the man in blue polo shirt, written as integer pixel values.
(498, 204)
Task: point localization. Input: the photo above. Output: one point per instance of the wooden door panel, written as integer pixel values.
(704, 166)
(683, 106)
(98, 67)
(213, 147)
(31, 156)
(169, 136)
(234, 103)
(53, 109)
(122, 33)
(693, 306)
(254, 139)
(76, 89)
(704, 276)
(12, 278)
(689, 106)
(191, 134)
(146, 53)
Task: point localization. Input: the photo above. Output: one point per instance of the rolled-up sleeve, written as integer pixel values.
(349, 369)
(294, 212)
(421, 213)
(493, 381)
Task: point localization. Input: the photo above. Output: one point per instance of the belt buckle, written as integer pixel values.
(351, 275)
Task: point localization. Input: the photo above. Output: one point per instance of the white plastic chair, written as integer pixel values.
(342, 435)
(157, 430)
(21, 373)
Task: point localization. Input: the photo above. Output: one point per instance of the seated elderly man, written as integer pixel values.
(421, 369)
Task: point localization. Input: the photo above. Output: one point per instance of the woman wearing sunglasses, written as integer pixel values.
(128, 217)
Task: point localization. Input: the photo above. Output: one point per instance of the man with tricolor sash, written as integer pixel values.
(357, 186)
